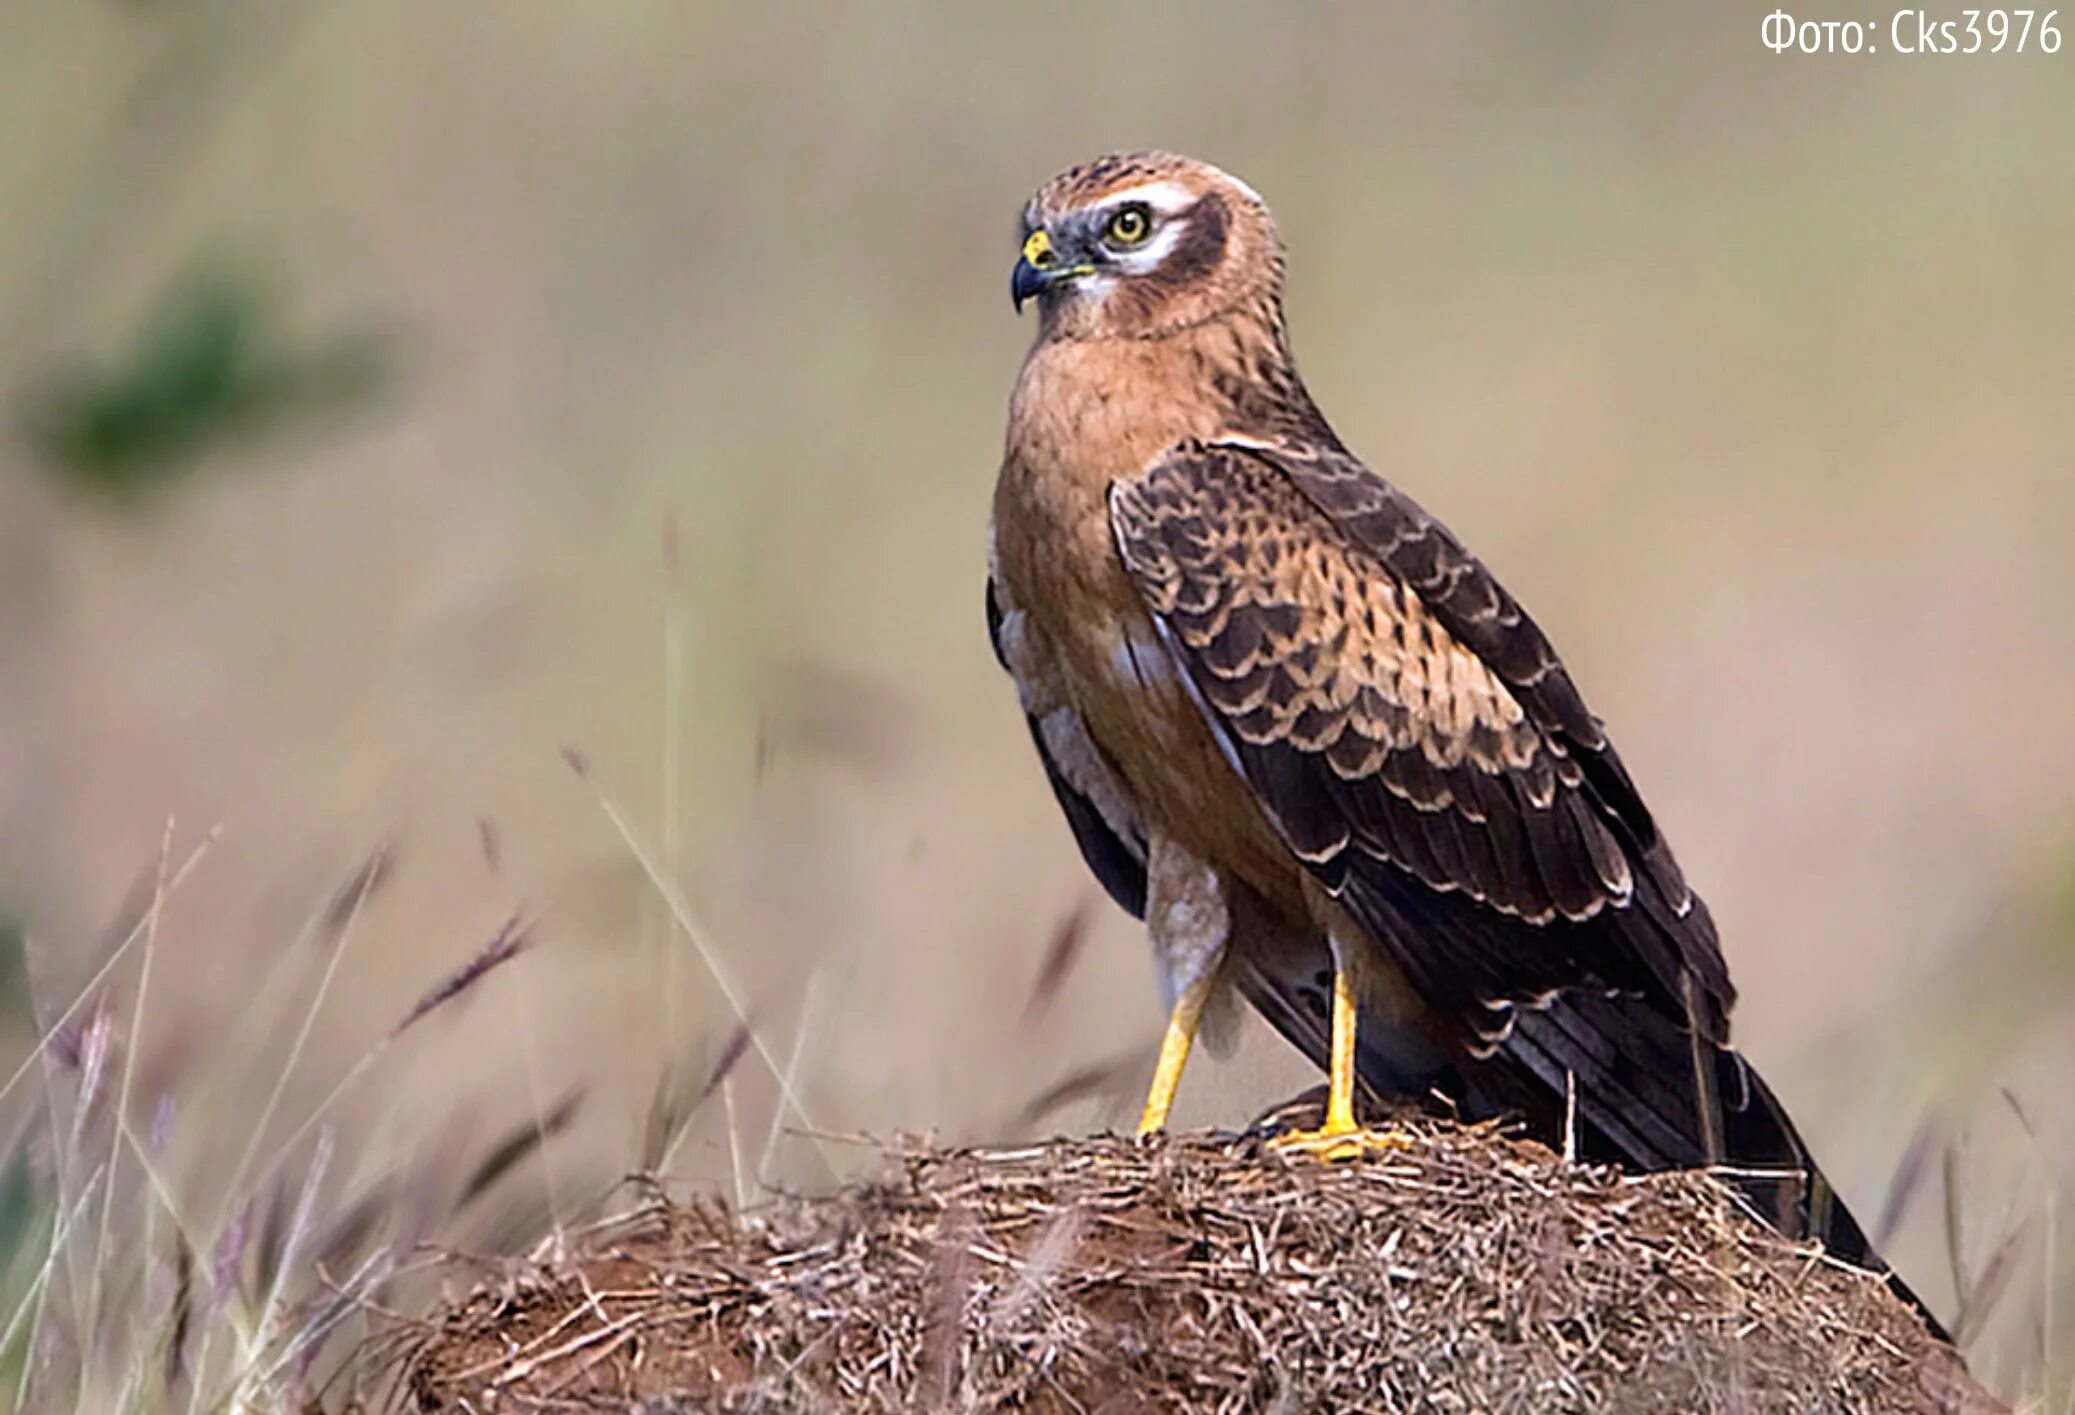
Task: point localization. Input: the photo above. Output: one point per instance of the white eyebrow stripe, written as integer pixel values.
(1140, 259)
(1167, 198)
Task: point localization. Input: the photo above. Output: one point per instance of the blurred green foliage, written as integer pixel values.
(14, 972)
(24, 1218)
(21, 1211)
(24, 1213)
(209, 366)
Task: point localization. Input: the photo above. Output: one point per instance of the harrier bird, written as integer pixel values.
(1308, 738)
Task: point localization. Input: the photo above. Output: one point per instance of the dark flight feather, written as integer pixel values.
(1118, 865)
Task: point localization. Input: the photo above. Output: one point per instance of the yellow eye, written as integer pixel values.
(1129, 226)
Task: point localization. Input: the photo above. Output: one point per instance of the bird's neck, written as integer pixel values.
(1103, 408)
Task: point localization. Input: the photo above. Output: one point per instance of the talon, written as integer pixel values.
(1332, 1144)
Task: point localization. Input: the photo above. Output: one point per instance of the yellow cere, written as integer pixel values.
(1038, 249)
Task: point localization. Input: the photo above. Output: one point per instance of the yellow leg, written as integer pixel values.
(1174, 1053)
(1341, 1136)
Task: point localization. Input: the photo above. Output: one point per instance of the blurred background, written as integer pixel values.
(531, 461)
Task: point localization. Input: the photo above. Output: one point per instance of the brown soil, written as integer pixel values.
(1466, 1272)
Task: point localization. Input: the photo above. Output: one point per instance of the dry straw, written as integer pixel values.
(1468, 1271)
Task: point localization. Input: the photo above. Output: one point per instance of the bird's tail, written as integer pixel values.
(1634, 1088)
(1612, 1078)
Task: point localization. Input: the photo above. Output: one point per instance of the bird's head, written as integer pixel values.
(1141, 245)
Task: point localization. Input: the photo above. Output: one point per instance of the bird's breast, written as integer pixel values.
(1077, 426)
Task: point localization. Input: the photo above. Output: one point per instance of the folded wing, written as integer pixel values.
(1411, 734)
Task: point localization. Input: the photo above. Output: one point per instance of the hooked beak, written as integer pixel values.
(1039, 270)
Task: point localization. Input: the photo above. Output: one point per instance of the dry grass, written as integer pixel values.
(147, 1266)
(1468, 1271)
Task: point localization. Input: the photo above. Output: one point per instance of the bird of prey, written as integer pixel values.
(1315, 745)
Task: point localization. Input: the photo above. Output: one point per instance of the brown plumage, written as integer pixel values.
(1310, 739)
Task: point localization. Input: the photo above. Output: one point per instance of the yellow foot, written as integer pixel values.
(1340, 1142)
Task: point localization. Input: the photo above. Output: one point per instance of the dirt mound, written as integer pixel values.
(1465, 1272)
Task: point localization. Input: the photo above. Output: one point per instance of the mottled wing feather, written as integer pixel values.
(1463, 596)
(1411, 734)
